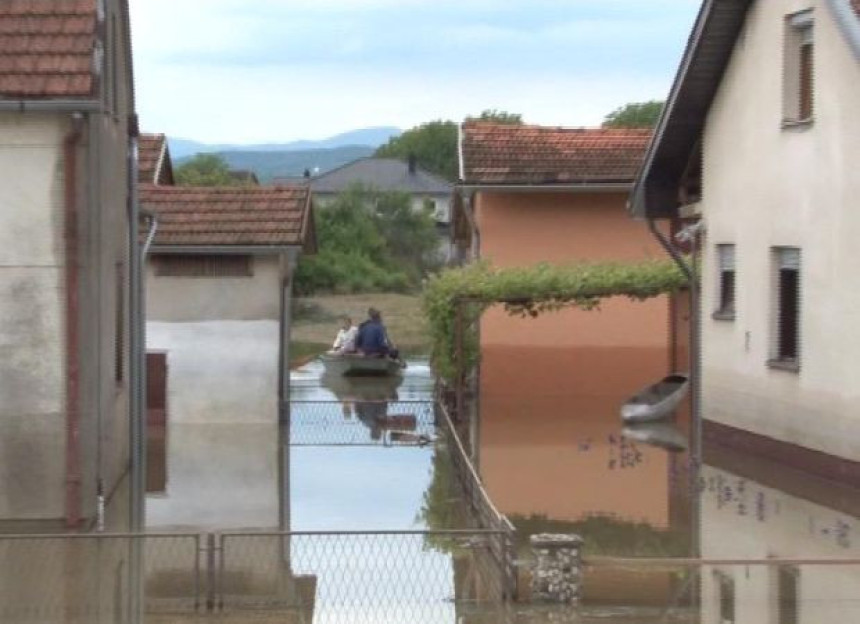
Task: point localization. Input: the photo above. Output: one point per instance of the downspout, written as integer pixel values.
(72, 279)
(690, 271)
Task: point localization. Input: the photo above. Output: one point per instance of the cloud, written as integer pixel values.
(322, 66)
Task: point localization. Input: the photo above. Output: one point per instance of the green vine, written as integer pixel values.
(529, 291)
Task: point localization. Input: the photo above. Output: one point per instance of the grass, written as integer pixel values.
(316, 321)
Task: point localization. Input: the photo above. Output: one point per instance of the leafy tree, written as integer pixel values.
(635, 115)
(497, 116)
(434, 145)
(205, 170)
(369, 241)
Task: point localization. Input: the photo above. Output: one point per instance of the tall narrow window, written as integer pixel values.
(788, 581)
(726, 597)
(799, 68)
(787, 299)
(119, 324)
(726, 294)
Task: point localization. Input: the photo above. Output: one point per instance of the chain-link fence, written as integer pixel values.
(321, 577)
(361, 423)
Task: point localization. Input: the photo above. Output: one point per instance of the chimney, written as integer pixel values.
(413, 164)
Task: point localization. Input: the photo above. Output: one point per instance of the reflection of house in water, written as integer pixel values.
(755, 509)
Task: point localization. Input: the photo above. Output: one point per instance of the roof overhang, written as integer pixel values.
(254, 250)
(706, 57)
(586, 187)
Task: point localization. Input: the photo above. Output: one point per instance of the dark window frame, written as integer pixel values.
(787, 308)
(726, 293)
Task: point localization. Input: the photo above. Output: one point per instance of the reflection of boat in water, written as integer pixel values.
(657, 401)
(347, 388)
(374, 415)
(355, 365)
(662, 435)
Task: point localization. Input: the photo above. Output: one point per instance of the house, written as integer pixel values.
(531, 194)
(219, 287)
(244, 177)
(426, 189)
(67, 133)
(153, 160)
(759, 141)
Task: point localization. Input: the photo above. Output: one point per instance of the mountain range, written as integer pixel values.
(289, 160)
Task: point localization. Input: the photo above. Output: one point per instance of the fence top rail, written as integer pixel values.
(393, 532)
(84, 536)
(339, 402)
(249, 532)
(693, 562)
(472, 473)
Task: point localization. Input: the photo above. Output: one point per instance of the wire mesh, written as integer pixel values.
(361, 423)
(357, 577)
(85, 578)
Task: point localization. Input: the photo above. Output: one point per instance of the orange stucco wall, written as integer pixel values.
(518, 229)
(550, 438)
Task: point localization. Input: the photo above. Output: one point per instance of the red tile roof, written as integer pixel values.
(519, 154)
(225, 216)
(47, 48)
(153, 160)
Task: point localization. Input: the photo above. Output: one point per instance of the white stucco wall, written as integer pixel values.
(32, 316)
(742, 519)
(216, 298)
(219, 371)
(767, 186)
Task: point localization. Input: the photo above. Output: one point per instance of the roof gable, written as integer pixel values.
(153, 160)
(384, 174)
(493, 153)
(229, 216)
(48, 48)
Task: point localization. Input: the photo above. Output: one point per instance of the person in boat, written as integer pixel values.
(344, 342)
(372, 338)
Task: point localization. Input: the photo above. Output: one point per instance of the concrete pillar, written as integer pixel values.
(558, 568)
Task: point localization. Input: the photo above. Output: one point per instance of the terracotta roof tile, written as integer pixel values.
(205, 216)
(520, 154)
(153, 160)
(47, 48)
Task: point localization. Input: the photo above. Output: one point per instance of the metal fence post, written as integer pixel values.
(210, 572)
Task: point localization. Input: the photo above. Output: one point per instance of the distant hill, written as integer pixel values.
(268, 165)
(367, 137)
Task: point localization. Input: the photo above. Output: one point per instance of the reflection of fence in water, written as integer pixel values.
(361, 423)
(297, 577)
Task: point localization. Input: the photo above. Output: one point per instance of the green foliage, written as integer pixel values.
(529, 291)
(497, 116)
(369, 241)
(433, 144)
(635, 115)
(205, 170)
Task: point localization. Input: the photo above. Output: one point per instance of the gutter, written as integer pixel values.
(222, 249)
(849, 23)
(50, 106)
(584, 187)
(72, 285)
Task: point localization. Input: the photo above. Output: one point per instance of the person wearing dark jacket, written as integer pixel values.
(372, 338)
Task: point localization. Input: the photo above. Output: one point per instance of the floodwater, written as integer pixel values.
(554, 457)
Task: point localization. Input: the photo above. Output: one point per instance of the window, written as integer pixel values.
(786, 352)
(726, 597)
(799, 68)
(788, 580)
(203, 265)
(726, 295)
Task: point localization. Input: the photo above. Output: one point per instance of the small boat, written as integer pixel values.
(353, 364)
(656, 401)
(662, 435)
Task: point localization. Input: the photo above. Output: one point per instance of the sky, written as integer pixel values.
(253, 71)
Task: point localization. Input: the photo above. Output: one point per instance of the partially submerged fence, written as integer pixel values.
(337, 577)
(361, 423)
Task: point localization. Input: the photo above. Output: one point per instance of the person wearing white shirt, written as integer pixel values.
(344, 342)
